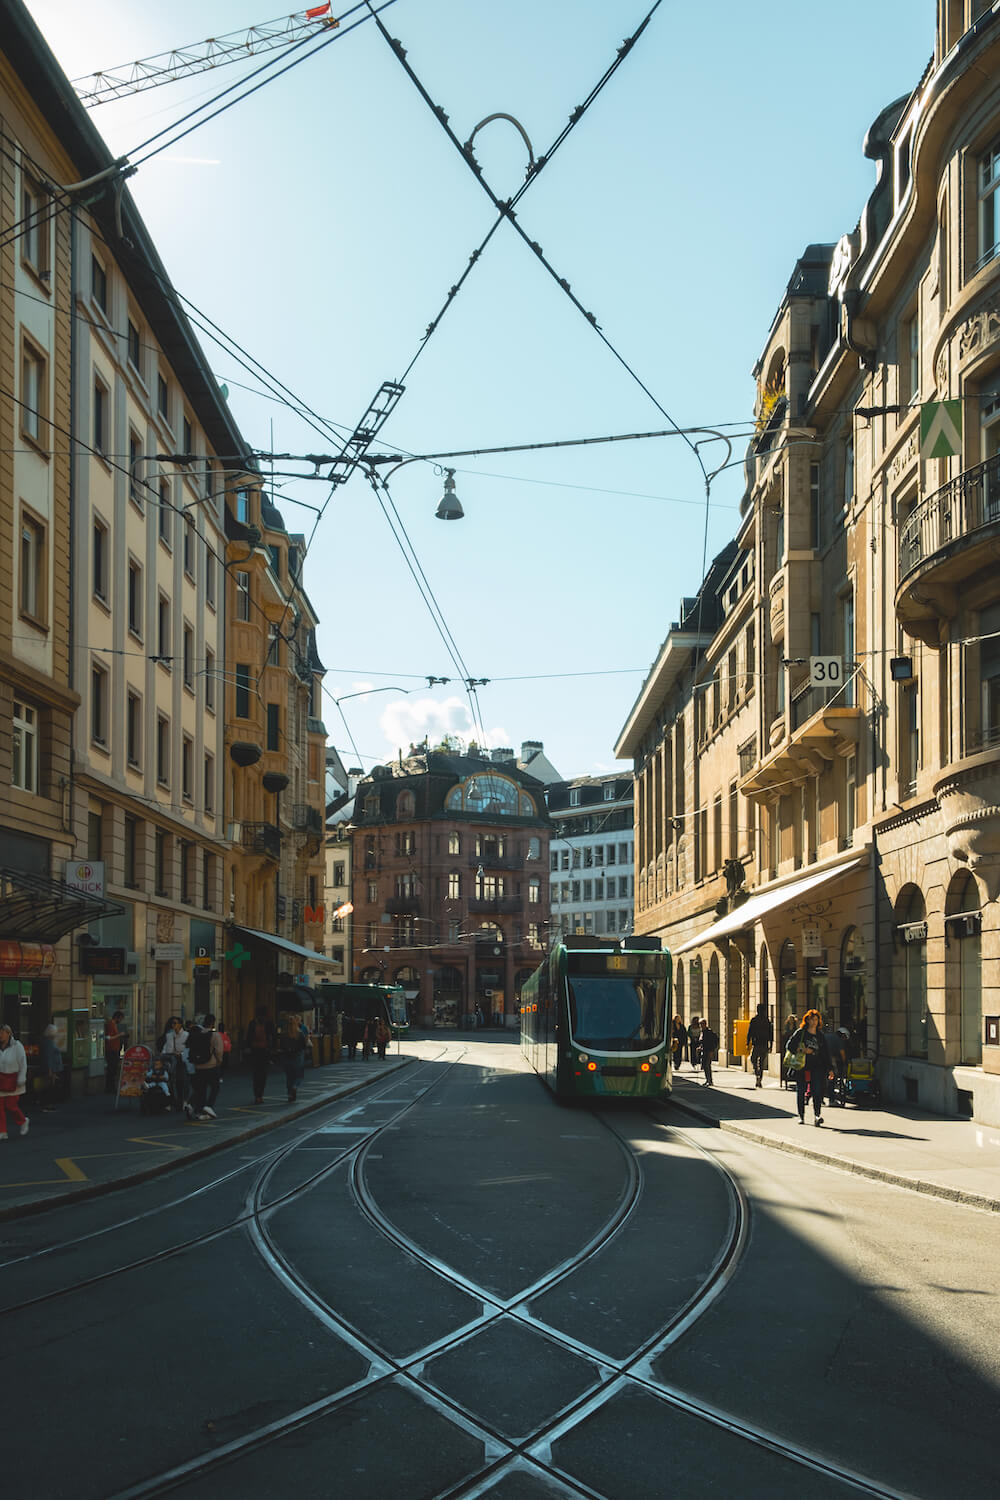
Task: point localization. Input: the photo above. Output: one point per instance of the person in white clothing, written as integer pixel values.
(174, 1052)
(13, 1073)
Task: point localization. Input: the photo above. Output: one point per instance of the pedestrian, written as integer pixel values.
(173, 1050)
(678, 1040)
(227, 1047)
(292, 1052)
(382, 1036)
(709, 1051)
(13, 1074)
(352, 1032)
(114, 1040)
(789, 1029)
(760, 1035)
(204, 1050)
(260, 1045)
(694, 1041)
(52, 1069)
(839, 1042)
(367, 1038)
(809, 1042)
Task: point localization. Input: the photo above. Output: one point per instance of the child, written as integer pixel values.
(155, 1089)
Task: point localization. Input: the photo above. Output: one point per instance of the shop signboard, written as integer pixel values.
(132, 1074)
(165, 953)
(85, 875)
(812, 942)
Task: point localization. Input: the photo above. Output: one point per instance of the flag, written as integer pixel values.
(317, 11)
(345, 910)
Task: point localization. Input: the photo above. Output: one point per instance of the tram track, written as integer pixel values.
(502, 1455)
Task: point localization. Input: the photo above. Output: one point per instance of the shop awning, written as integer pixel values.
(36, 909)
(770, 900)
(284, 945)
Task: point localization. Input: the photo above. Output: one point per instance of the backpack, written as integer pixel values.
(258, 1036)
(199, 1046)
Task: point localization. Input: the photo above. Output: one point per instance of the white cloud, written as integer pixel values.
(407, 722)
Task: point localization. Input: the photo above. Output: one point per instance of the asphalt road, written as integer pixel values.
(447, 1285)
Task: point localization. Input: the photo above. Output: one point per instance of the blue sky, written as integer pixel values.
(321, 223)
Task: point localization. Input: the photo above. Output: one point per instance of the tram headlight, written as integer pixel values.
(654, 1059)
(585, 1057)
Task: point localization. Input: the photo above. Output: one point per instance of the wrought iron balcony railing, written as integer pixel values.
(261, 838)
(959, 508)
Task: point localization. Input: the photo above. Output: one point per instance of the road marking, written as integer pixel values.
(67, 1165)
(142, 1140)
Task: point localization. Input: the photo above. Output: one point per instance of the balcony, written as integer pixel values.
(403, 906)
(306, 819)
(261, 838)
(945, 543)
(808, 750)
(495, 905)
(496, 861)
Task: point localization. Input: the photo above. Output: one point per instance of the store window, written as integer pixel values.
(788, 987)
(911, 939)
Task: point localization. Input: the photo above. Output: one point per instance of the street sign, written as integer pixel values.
(826, 671)
(941, 429)
(812, 942)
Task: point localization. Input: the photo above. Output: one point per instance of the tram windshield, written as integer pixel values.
(616, 1013)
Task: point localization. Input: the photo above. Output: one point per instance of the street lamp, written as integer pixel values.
(450, 508)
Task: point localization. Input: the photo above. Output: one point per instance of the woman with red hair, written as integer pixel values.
(811, 1079)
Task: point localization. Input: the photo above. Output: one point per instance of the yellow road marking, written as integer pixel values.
(142, 1140)
(68, 1165)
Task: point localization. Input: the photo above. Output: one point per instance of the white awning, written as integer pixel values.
(309, 954)
(769, 900)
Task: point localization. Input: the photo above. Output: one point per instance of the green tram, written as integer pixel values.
(594, 1019)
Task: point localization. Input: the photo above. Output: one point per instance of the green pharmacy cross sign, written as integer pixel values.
(941, 429)
(237, 956)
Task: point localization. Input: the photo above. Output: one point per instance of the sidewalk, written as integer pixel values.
(86, 1146)
(934, 1154)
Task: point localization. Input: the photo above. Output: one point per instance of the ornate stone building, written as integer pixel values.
(450, 858)
(818, 768)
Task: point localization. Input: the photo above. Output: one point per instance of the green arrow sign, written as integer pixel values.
(941, 429)
(237, 955)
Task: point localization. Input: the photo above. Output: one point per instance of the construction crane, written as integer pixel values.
(215, 52)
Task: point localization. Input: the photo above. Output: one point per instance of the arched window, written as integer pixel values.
(488, 793)
(964, 966)
(788, 985)
(911, 933)
(853, 996)
(406, 805)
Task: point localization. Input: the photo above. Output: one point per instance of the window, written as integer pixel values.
(242, 690)
(850, 796)
(373, 893)
(623, 854)
(187, 439)
(131, 851)
(454, 885)
(588, 891)
(162, 860)
(34, 392)
(185, 851)
(135, 598)
(274, 554)
(188, 657)
(133, 729)
(210, 679)
(165, 511)
(243, 596)
(339, 872)
(989, 205)
(533, 939)
(574, 796)
(99, 561)
(135, 481)
(273, 726)
(163, 642)
(187, 772)
(909, 739)
(210, 579)
(35, 234)
(848, 473)
(162, 397)
(99, 704)
(273, 645)
(98, 283)
(909, 358)
(209, 479)
(814, 512)
(134, 348)
(208, 880)
(101, 414)
(33, 579)
(847, 607)
(243, 507)
(24, 761)
(610, 855)
(162, 750)
(208, 784)
(189, 535)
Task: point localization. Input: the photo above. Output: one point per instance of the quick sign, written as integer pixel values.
(85, 875)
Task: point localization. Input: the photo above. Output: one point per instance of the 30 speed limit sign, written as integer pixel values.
(826, 671)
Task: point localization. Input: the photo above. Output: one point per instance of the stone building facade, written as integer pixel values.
(590, 856)
(450, 859)
(818, 768)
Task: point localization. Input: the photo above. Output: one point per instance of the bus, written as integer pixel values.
(594, 1019)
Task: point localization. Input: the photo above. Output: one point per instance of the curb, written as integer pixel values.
(211, 1148)
(843, 1164)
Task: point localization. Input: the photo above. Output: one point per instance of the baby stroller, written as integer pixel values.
(859, 1084)
(155, 1099)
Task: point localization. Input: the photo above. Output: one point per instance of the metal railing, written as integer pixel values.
(261, 838)
(306, 819)
(963, 505)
